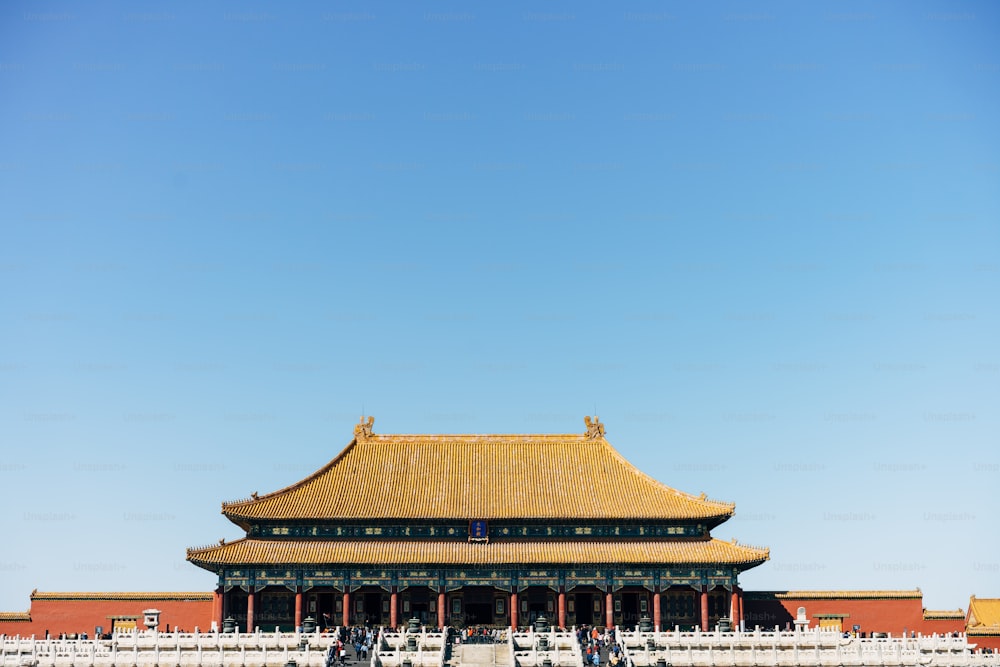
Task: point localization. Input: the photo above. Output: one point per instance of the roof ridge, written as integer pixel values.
(700, 498)
(86, 595)
(818, 594)
(256, 498)
(750, 546)
(525, 436)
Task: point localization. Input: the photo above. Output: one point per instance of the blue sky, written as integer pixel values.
(761, 241)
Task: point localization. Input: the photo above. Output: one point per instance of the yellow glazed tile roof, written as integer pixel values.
(943, 614)
(478, 477)
(36, 595)
(984, 616)
(426, 552)
(14, 616)
(835, 595)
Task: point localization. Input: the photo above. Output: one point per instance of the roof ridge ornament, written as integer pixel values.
(595, 429)
(363, 429)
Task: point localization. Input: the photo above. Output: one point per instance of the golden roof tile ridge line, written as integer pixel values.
(516, 436)
(764, 551)
(943, 613)
(222, 545)
(755, 547)
(697, 499)
(119, 595)
(915, 593)
(291, 487)
(15, 615)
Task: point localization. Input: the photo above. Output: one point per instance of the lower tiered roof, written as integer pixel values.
(453, 552)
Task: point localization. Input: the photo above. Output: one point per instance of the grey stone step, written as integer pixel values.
(479, 655)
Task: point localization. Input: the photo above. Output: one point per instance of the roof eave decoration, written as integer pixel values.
(363, 429)
(595, 429)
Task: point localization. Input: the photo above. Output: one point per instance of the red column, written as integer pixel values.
(657, 618)
(217, 608)
(393, 609)
(562, 608)
(347, 609)
(609, 610)
(251, 603)
(513, 611)
(298, 607)
(704, 608)
(441, 608)
(734, 606)
(739, 607)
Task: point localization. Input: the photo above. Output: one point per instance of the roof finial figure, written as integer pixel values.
(363, 429)
(595, 429)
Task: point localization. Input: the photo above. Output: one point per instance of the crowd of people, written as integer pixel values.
(361, 639)
(483, 635)
(599, 646)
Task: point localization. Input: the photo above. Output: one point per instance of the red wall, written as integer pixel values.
(894, 615)
(986, 641)
(85, 614)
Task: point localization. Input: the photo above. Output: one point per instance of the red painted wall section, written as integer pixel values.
(78, 613)
(991, 641)
(886, 614)
(943, 626)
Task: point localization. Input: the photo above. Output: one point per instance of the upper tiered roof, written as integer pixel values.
(576, 477)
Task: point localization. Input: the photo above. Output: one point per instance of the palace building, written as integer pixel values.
(477, 530)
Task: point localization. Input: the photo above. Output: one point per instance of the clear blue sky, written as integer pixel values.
(761, 240)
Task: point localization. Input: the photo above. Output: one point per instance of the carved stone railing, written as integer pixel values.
(808, 648)
(144, 649)
(532, 649)
(800, 648)
(431, 648)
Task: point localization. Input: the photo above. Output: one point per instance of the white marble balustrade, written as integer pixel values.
(802, 648)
